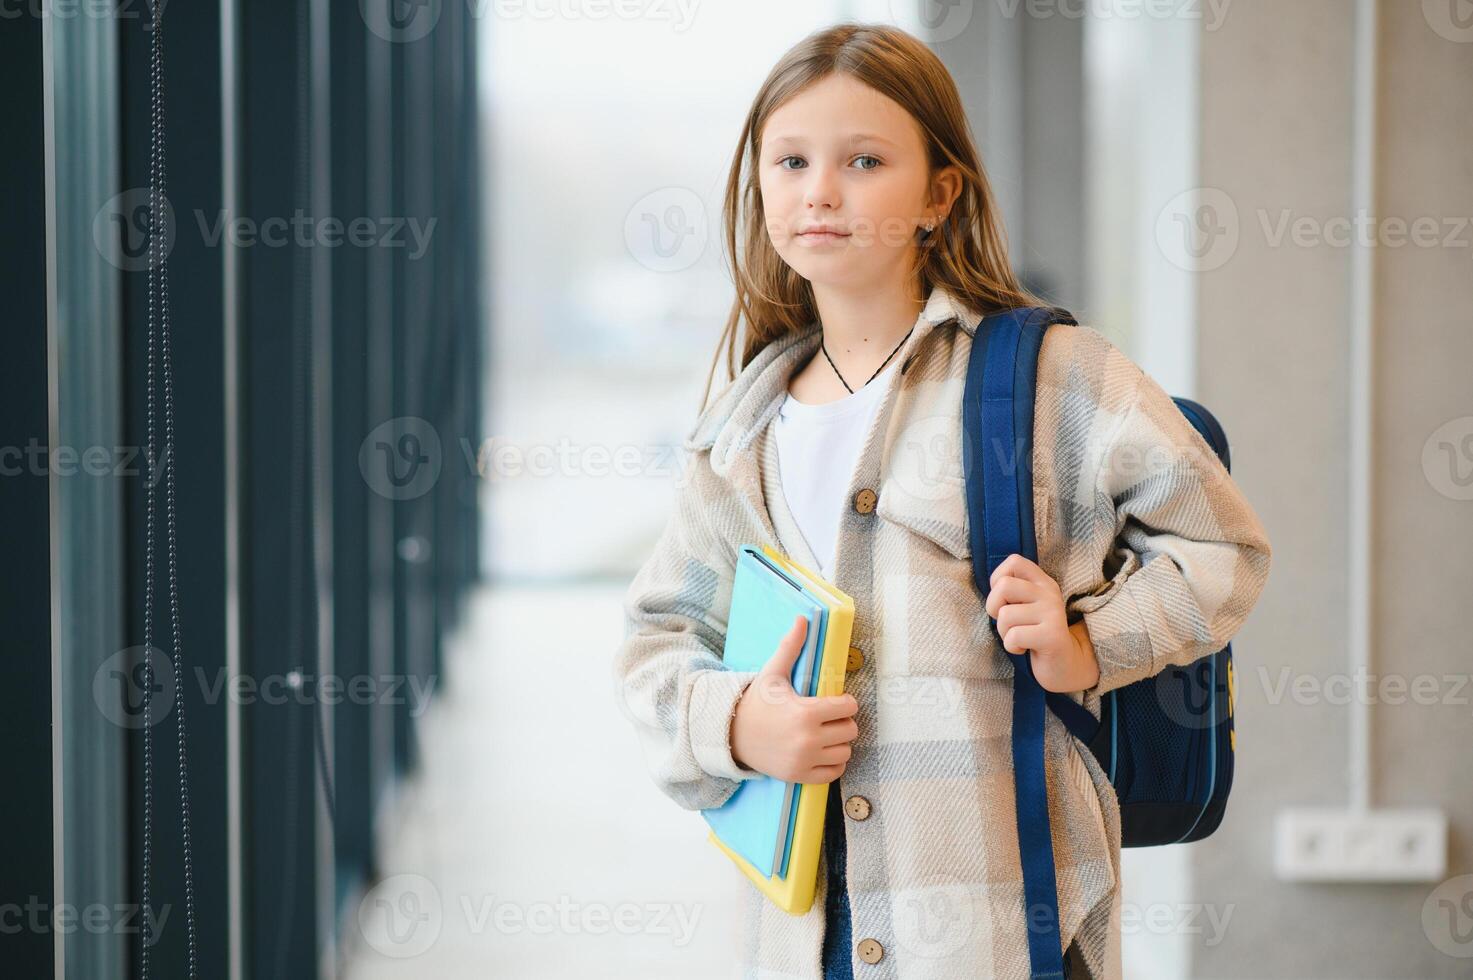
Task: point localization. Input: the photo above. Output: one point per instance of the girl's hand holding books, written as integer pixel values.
(1029, 608)
(777, 731)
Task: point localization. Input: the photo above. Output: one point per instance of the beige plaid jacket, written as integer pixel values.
(1151, 543)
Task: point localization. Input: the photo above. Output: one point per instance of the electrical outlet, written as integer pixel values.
(1334, 844)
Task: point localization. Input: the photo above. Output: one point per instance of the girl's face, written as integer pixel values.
(844, 182)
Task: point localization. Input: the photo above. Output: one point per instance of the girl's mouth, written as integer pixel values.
(817, 237)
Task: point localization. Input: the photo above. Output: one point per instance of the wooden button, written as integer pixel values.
(870, 951)
(856, 659)
(864, 500)
(856, 808)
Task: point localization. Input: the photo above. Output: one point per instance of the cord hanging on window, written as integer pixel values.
(159, 348)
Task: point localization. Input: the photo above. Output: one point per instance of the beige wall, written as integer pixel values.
(1276, 133)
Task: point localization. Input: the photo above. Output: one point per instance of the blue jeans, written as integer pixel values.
(838, 937)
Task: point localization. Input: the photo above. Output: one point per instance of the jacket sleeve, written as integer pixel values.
(669, 677)
(1191, 556)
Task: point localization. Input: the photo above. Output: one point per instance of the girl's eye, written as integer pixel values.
(864, 156)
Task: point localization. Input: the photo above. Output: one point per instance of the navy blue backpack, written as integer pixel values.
(1166, 741)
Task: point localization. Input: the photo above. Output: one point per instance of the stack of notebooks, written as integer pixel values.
(773, 830)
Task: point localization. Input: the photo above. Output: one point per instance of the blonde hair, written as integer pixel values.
(967, 253)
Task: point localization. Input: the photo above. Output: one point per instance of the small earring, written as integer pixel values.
(930, 227)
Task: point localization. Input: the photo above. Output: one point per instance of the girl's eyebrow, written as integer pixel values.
(856, 138)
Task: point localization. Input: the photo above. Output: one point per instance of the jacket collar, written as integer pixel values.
(730, 423)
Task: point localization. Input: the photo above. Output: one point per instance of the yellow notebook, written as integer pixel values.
(794, 893)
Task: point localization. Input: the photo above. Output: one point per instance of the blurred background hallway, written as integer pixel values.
(444, 279)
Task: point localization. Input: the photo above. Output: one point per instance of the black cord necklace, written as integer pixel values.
(877, 370)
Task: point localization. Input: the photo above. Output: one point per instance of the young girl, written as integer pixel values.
(871, 249)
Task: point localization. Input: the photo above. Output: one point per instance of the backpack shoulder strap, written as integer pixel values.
(997, 459)
(1000, 484)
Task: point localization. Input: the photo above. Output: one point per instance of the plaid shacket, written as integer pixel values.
(1148, 537)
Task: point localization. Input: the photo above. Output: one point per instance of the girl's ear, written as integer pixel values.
(946, 186)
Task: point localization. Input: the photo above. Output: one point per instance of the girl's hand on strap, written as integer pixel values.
(1029, 608)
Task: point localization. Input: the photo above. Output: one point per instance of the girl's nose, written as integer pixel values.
(822, 189)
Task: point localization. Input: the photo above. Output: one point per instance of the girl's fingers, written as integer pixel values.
(824, 774)
(835, 755)
(838, 731)
(1019, 567)
(834, 706)
(1014, 564)
(1020, 614)
(1007, 590)
(1020, 639)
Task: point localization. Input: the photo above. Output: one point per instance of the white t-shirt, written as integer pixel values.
(817, 447)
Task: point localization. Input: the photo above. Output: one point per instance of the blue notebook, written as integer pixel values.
(757, 820)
